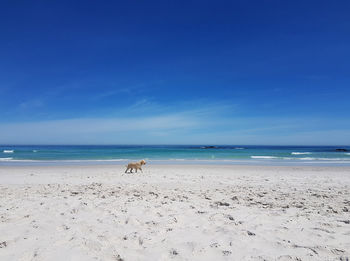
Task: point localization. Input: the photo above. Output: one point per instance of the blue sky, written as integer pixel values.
(175, 72)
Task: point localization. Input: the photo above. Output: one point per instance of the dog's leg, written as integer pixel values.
(141, 170)
(126, 170)
(131, 170)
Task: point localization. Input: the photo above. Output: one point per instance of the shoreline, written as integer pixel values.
(234, 162)
(177, 165)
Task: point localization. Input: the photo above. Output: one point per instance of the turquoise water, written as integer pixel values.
(281, 155)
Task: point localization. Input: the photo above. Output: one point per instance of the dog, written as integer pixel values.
(135, 165)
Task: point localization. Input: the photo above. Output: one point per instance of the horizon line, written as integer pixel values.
(282, 145)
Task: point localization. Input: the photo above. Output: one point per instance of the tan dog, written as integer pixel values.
(135, 165)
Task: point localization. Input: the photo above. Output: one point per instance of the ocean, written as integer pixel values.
(174, 154)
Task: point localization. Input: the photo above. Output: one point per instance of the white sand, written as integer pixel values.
(174, 213)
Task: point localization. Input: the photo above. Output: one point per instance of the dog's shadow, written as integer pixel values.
(132, 173)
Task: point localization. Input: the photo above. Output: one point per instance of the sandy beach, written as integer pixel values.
(174, 212)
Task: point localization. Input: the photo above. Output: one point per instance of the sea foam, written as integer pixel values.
(5, 159)
(322, 159)
(8, 151)
(301, 153)
(263, 157)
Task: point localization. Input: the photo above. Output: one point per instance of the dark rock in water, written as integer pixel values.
(341, 150)
(209, 147)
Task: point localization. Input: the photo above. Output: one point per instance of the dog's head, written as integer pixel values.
(143, 162)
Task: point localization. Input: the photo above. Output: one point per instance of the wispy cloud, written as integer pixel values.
(92, 130)
(143, 103)
(33, 103)
(198, 108)
(134, 90)
(111, 93)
